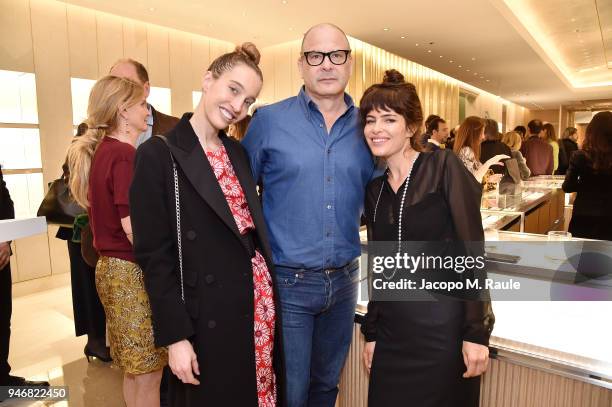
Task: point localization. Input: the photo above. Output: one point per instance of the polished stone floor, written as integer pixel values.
(43, 346)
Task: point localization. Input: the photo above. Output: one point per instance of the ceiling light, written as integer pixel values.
(473, 59)
(416, 45)
(450, 62)
(386, 29)
(488, 80)
(402, 37)
(151, 8)
(482, 77)
(460, 66)
(475, 73)
(440, 56)
(290, 28)
(284, 1)
(467, 70)
(429, 51)
(573, 20)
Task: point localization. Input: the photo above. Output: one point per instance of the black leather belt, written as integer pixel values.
(348, 266)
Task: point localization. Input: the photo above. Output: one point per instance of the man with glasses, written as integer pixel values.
(310, 155)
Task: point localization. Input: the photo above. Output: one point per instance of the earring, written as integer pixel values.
(126, 130)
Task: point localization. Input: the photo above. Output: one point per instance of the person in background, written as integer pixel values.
(212, 292)
(101, 163)
(513, 140)
(310, 154)
(238, 130)
(426, 136)
(589, 175)
(7, 211)
(467, 147)
(551, 137)
(89, 318)
(492, 145)
(521, 130)
(157, 122)
(567, 145)
(420, 353)
(537, 152)
(438, 131)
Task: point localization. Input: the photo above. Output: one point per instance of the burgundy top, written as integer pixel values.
(538, 155)
(109, 184)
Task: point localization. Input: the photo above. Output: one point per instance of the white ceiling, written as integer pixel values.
(535, 64)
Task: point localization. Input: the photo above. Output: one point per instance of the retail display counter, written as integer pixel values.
(543, 353)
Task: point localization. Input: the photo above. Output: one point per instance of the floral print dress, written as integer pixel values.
(265, 315)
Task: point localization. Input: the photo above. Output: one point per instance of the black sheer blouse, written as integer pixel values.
(442, 204)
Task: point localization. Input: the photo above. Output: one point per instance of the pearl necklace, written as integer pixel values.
(401, 212)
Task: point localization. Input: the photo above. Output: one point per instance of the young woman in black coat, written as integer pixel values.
(590, 176)
(211, 292)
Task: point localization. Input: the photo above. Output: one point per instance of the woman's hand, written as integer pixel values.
(495, 160)
(183, 361)
(368, 353)
(476, 359)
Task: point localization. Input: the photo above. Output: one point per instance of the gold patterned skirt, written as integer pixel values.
(121, 289)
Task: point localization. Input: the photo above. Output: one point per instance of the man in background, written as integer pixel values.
(438, 132)
(537, 152)
(158, 123)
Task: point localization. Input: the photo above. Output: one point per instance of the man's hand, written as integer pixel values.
(183, 361)
(476, 359)
(5, 254)
(368, 354)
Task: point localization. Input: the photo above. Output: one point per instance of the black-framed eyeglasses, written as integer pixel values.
(337, 57)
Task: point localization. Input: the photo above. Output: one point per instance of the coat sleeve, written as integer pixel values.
(7, 209)
(523, 169)
(574, 170)
(464, 194)
(154, 241)
(369, 325)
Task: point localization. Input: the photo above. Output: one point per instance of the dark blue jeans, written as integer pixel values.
(318, 310)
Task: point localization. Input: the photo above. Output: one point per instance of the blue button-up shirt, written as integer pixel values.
(313, 182)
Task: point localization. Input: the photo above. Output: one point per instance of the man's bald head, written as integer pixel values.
(133, 70)
(324, 29)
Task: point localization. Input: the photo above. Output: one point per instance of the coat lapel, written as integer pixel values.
(191, 158)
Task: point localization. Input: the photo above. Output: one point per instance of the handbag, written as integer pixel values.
(177, 204)
(58, 205)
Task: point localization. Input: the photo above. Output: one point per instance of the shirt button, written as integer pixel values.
(328, 234)
(329, 206)
(321, 125)
(329, 179)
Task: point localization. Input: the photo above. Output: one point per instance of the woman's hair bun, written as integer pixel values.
(393, 77)
(250, 51)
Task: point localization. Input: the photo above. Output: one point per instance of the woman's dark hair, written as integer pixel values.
(492, 130)
(521, 130)
(246, 54)
(549, 130)
(598, 142)
(394, 93)
(468, 135)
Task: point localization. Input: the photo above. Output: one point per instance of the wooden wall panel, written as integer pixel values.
(135, 41)
(282, 67)
(109, 29)
(83, 42)
(16, 52)
(200, 60)
(158, 56)
(180, 72)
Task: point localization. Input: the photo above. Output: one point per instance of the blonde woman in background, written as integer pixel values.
(101, 162)
(551, 138)
(513, 140)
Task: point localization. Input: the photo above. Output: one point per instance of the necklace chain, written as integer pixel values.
(401, 211)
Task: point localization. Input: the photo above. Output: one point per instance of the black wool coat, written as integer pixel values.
(218, 311)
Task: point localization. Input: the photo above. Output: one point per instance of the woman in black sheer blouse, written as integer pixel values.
(426, 354)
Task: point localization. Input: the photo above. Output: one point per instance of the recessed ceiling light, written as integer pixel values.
(440, 56)
(386, 29)
(482, 77)
(467, 70)
(573, 20)
(450, 62)
(151, 8)
(429, 51)
(284, 1)
(402, 37)
(416, 45)
(488, 80)
(473, 59)
(460, 66)
(475, 73)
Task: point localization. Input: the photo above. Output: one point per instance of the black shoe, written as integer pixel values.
(103, 356)
(21, 381)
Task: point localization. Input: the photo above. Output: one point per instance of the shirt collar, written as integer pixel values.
(432, 141)
(309, 105)
(150, 116)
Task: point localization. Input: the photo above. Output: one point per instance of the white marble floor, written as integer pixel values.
(43, 346)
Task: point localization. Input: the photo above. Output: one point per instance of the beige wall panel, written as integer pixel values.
(159, 59)
(51, 60)
(296, 77)
(180, 72)
(32, 255)
(15, 36)
(135, 41)
(200, 60)
(218, 48)
(266, 64)
(282, 73)
(110, 41)
(82, 40)
(58, 251)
